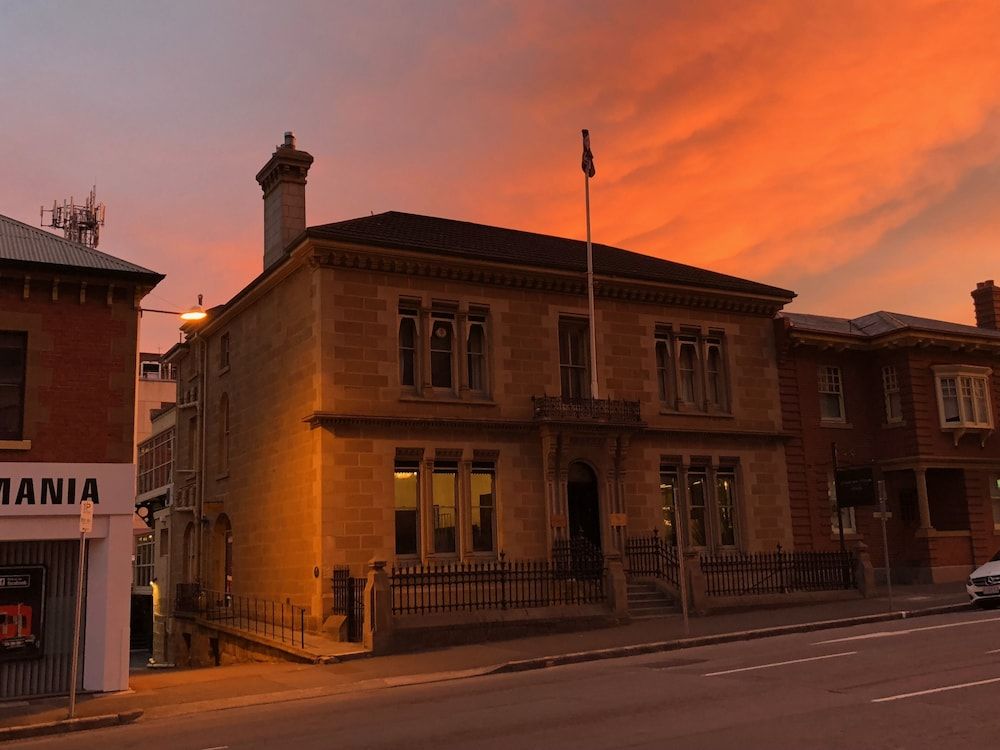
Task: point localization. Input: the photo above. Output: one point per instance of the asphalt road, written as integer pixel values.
(932, 682)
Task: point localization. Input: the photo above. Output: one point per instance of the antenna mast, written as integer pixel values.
(79, 223)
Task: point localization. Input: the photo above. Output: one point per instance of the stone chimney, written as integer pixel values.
(986, 299)
(283, 180)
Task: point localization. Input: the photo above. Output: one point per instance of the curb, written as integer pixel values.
(619, 652)
(68, 725)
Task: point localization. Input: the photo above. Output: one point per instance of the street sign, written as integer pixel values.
(86, 516)
(855, 487)
(882, 515)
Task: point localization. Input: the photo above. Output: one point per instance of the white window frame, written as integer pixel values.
(830, 381)
(971, 382)
(847, 514)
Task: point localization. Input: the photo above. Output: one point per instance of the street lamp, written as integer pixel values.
(191, 314)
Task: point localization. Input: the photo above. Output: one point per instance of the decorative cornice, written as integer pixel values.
(554, 281)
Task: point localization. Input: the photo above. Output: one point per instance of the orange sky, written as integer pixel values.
(847, 150)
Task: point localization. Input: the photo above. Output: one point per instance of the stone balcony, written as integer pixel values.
(607, 411)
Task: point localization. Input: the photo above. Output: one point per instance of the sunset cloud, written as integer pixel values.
(847, 150)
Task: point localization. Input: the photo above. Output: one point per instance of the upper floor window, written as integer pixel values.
(224, 434)
(831, 394)
(964, 396)
(224, 351)
(475, 349)
(13, 360)
(574, 361)
(442, 349)
(156, 462)
(691, 370)
(408, 345)
(890, 393)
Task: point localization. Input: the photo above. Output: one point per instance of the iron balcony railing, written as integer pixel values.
(597, 410)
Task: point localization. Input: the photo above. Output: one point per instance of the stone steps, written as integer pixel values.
(646, 601)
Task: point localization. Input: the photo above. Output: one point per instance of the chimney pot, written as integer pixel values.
(289, 139)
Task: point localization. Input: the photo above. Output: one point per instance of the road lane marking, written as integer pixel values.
(779, 664)
(994, 651)
(891, 633)
(944, 689)
(219, 747)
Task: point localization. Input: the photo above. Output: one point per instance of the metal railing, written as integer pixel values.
(349, 601)
(651, 557)
(277, 621)
(609, 410)
(495, 584)
(779, 572)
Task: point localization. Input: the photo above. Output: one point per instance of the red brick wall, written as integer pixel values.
(80, 385)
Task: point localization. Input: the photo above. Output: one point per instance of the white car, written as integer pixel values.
(984, 583)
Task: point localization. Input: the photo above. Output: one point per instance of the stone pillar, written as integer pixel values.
(864, 573)
(923, 504)
(378, 609)
(617, 586)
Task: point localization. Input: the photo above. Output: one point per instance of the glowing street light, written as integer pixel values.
(191, 314)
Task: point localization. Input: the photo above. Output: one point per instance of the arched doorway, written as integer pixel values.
(584, 504)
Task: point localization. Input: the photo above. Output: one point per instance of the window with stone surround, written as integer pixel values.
(891, 395)
(224, 434)
(444, 349)
(691, 370)
(13, 363)
(451, 501)
(831, 394)
(224, 351)
(964, 397)
(574, 358)
(406, 481)
(710, 500)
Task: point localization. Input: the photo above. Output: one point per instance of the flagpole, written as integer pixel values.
(594, 393)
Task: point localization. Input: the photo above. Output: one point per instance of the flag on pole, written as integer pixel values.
(588, 157)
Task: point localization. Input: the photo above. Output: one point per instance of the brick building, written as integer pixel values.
(412, 388)
(68, 355)
(914, 398)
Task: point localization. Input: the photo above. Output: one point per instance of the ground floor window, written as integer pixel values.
(709, 496)
(457, 502)
(847, 514)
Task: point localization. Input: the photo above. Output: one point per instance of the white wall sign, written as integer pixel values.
(37, 489)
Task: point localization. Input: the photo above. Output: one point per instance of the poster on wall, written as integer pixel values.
(22, 599)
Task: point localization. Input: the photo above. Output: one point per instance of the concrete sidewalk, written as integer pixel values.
(175, 692)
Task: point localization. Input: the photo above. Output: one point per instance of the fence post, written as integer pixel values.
(697, 585)
(617, 585)
(378, 609)
(864, 573)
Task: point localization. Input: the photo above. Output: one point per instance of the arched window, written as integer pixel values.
(476, 348)
(188, 571)
(407, 351)
(442, 341)
(222, 555)
(687, 367)
(224, 434)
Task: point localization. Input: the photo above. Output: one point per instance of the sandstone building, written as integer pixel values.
(412, 388)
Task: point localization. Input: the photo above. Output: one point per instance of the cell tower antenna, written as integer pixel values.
(79, 223)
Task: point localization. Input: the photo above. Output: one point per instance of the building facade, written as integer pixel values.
(68, 328)
(408, 388)
(914, 399)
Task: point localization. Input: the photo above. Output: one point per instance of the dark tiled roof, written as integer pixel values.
(882, 323)
(480, 242)
(27, 245)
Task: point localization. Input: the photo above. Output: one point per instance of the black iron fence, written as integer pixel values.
(615, 411)
(277, 621)
(577, 558)
(651, 557)
(779, 572)
(497, 584)
(349, 600)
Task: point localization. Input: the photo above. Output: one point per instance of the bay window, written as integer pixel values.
(964, 397)
(890, 393)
